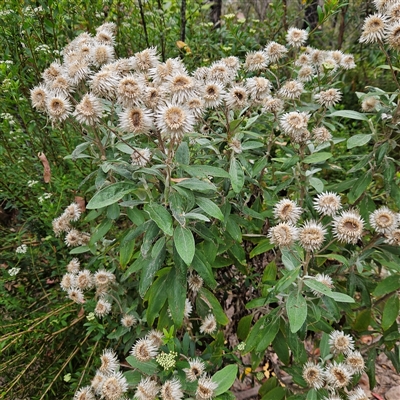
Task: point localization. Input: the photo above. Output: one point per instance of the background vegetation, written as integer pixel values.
(50, 345)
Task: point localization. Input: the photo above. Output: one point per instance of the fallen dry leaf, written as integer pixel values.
(46, 167)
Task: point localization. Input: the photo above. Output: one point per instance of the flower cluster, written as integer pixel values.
(384, 25)
(347, 225)
(108, 383)
(337, 375)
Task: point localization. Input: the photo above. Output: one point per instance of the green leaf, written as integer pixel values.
(317, 286)
(317, 184)
(101, 231)
(237, 175)
(182, 155)
(360, 187)
(277, 393)
(317, 157)
(340, 297)
(233, 229)
(204, 171)
(110, 194)
(262, 247)
(196, 185)
(148, 367)
(224, 378)
(203, 268)
(358, 140)
(157, 295)
(296, 307)
(133, 377)
(390, 311)
(160, 216)
(348, 114)
(184, 243)
(244, 326)
(388, 285)
(209, 207)
(216, 308)
(268, 336)
(153, 265)
(176, 291)
(312, 395)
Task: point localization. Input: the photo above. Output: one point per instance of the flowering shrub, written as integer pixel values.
(231, 167)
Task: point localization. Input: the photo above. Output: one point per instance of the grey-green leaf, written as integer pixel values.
(296, 307)
(358, 140)
(209, 207)
(110, 195)
(184, 243)
(161, 217)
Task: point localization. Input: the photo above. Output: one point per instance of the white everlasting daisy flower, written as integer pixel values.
(355, 361)
(393, 237)
(294, 122)
(147, 389)
(287, 211)
(76, 295)
(205, 388)
(136, 120)
(141, 157)
(357, 394)
(72, 212)
(291, 89)
(348, 226)
(51, 73)
(171, 390)
(58, 107)
(296, 37)
(89, 111)
(312, 235)
(144, 350)
(130, 90)
(383, 220)
(275, 51)
(145, 60)
(104, 83)
(374, 28)
(272, 104)
(258, 87)
(348, 62)
(328, 98)
(181, 87)
(84, 280)
(213, 94)
(128, 321)
(209, 324)
(39, 95)
(338, 375)
(156, 337)
(341, 343)
(321, 135)
(84, 393)
(283, 234)
(114, 386)
(97, 382)
(236, 98)
(327, 203)
(369, 104)
(101, 54)
(174, 121)
(109, 362)
(68, 281)
(103, 307)
(393, 36)
(256, 61)
(313, 374)
(195, 370)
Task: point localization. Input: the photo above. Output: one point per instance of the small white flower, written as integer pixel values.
(21, 249)
(31, 183)
(14, 271)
